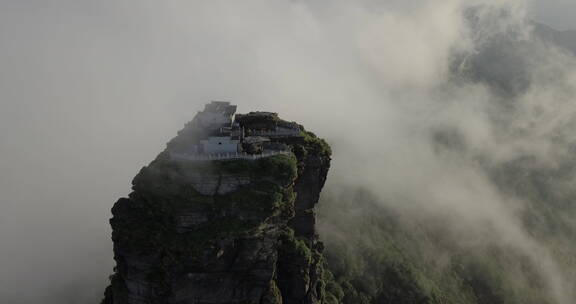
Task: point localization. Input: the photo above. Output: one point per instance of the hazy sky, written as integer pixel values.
(91, 90)
(559, 14)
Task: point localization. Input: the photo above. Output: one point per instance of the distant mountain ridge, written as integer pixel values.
(506, 62)
(389, 255)
(563, 39)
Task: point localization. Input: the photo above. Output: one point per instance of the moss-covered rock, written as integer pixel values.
(221, 231)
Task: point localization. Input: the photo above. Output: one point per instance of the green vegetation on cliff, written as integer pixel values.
(220, 231)
(381, 256)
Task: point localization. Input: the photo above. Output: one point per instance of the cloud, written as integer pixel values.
(91, 91)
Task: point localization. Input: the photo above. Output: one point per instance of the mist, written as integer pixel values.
(90, 91)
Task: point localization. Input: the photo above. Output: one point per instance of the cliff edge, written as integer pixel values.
(224, 215)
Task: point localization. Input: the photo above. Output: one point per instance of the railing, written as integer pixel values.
(273, 133)
(221, 156)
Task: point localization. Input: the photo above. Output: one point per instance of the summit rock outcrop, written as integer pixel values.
(225, 215)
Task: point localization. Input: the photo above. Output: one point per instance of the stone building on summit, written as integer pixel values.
(228, 136)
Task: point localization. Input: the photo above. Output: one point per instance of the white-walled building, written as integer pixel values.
(216, 144)
(219, 137)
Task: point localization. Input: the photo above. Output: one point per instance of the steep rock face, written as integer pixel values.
(227, 231)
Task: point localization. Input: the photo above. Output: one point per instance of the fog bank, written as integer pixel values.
(90, 91)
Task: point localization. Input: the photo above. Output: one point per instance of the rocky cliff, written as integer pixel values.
(222, 231)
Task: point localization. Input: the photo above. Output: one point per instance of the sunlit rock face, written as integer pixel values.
(237, 229)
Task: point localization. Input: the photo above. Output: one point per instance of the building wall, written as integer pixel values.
(220, 145)
(208, 119)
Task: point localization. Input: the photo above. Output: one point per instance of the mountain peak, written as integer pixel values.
(224, 215)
